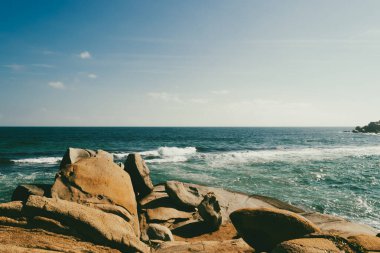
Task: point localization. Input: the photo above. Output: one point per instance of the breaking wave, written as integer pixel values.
(39, 160)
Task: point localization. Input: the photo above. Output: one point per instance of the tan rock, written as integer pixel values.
(264, 228)
(167, 213)
(228, 246)
(94, 225)
(73, 155)
(96, 180)
(368, 242)
(210, 211)
(183, 195)
(11, 209)
(307, 245)
(159, 232)
(23, 240)
(139, 172)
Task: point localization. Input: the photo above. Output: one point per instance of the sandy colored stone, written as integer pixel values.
(183, 195)
(97, 180)
(228, 246)
(11, 209)
(17, 240)
(264, 228)
(159, 232)
(368, 242)
(167, 213)
(307, 245)
(23, 191)
(94, 225)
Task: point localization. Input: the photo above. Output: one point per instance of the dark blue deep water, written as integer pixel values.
(324, 169)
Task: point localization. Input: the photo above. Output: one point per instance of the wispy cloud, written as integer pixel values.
(41, 65)
(220, 92)
(85, 55)
(57, 85)
(15, 67)
(167, 97)
(92, 76)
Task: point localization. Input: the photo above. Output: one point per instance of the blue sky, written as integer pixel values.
(189, 63)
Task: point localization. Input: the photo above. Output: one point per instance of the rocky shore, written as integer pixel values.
(96, 205)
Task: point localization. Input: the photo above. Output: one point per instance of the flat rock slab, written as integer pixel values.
(228, 246)
(167, 213)
(339, 226)
(368, 242)
(15, 239)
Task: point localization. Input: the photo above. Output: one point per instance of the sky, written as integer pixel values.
(189, 63)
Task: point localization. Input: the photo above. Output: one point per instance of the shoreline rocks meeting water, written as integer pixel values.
(97, 205)
(372, 127)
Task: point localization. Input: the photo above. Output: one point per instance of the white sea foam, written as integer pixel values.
(288, 155)
(39, 160)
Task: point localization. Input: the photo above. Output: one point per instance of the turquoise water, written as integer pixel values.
(323, 169)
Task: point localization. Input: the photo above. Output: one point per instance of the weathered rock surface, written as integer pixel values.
(264, 228)
(139, 172)
(210, 211)
(17, 240)
(368, 242)
(167, 213)
(228, 246)
(11, 209)
(94, 225)
(23, 191)
(159, 232)
(337, 225)
(73, 155)
(97, 180)
(183, 195)
(307, 245)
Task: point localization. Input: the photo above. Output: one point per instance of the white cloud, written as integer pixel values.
(220, 92)
(85, 55)
(57, 85)
(167, 97)
(15, 67)
(92, 76)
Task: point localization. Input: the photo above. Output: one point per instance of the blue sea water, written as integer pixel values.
(324, 169)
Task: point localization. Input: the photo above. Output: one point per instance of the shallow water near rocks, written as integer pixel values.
(323, 169)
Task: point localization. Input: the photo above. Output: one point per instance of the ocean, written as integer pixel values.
(329, 170)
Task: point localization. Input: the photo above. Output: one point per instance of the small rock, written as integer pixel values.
(167, 213)
(139, 172)
(11, 209)
(159, 232)
(23, 191)
(184, 196)
(264, 228)
(307, 245)
(368, 242)
(210, 211)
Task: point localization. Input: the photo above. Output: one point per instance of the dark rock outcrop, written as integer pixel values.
(372, 127)
(264, 228)
(210, 211)
(139, 172)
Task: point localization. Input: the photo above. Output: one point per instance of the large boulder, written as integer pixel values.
(23, 191)
(159, 232)
(210, 211)
(139, 172)
(97, 180)
(186, 196)
(92, 224)
(264, 228)
(307, 245)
